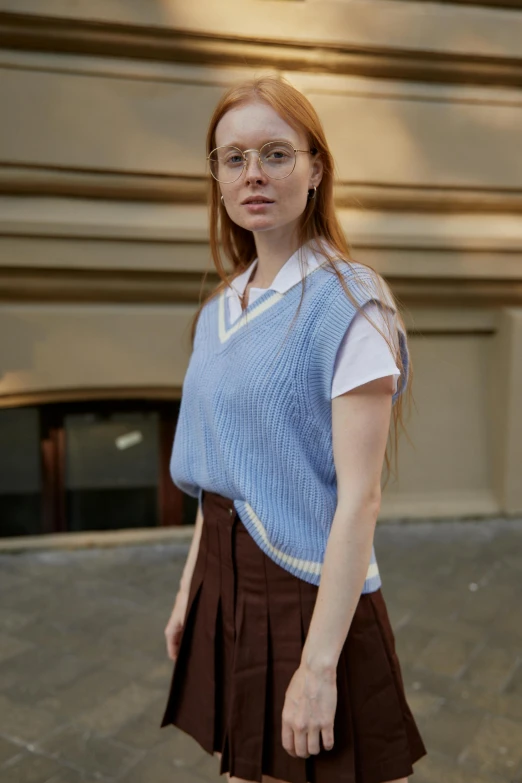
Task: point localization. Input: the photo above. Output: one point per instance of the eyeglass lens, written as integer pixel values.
(277, 161)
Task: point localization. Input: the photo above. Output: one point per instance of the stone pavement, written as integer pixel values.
(84, 673)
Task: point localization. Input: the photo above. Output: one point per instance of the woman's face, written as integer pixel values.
(250, 126)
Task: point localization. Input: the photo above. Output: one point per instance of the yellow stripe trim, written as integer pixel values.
(308, 566)
(225, 334)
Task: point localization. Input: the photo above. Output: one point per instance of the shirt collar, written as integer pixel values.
(290, 273)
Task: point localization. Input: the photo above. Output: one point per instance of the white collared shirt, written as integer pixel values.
(363, 354)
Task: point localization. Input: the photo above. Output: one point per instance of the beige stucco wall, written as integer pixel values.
(103, 223)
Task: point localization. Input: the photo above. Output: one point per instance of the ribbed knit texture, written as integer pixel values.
(255, 421)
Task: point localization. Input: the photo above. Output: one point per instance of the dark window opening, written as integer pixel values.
(93, 465)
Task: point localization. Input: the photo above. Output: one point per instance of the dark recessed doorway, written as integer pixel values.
(93, 465)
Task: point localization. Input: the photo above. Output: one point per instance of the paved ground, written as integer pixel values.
(84, 674)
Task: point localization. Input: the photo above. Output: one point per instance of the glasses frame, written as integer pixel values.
(311, 151)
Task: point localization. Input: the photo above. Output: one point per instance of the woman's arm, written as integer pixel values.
(174, 628)
(360, 422)
(188, 569)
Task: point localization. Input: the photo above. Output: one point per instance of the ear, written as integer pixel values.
(316, 172)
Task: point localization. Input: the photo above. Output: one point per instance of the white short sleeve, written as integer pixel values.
(364, 354)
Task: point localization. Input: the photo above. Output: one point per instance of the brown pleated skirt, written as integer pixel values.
(245, 627)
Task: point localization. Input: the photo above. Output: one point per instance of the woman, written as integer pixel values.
(285, 664)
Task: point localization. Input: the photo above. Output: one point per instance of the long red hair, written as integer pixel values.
(318, 221)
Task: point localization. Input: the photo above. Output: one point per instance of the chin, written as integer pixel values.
(258, 223)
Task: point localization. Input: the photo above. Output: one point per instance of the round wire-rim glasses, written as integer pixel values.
(283, 167)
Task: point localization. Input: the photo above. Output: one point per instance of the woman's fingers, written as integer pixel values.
(314, 743)
(172, 649)
(174, 629)
(172, 638)
(300, 742)
(328, 738)
(287, 738)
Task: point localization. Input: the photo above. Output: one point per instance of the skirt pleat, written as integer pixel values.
(249, 667)
(245, 627)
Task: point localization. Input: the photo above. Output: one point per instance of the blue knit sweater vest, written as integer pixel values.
(255, 420)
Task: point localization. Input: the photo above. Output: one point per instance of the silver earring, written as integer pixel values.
(222, 200)
(312, 195)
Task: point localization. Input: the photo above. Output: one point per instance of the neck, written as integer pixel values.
(273, 250)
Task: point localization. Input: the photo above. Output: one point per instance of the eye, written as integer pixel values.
(277, 154)
(228, 156)
(233, 159)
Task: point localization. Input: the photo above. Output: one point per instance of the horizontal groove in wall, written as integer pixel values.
(105, 286)
(35, 33)
(106, 393)
(20, 180)
(511, 5)
(451, 333)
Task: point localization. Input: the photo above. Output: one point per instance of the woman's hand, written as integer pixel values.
(174, 627)
(309, 711)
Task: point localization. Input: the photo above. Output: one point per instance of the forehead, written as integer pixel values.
(252, 124)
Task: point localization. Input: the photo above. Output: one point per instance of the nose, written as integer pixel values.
(253, 170)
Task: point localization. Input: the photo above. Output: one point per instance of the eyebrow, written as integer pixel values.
(239, 146)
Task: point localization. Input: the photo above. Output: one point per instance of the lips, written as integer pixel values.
(257, 200)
